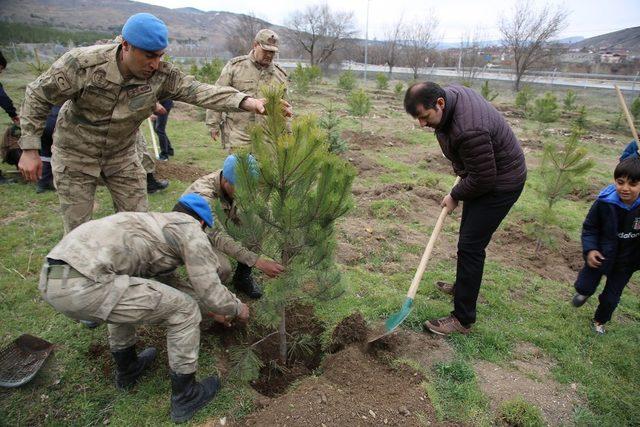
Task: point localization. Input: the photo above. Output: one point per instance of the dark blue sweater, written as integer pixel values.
(6, 103)
(602, 229)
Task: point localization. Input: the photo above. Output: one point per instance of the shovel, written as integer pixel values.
(397, 318)
(21, 360)
(627, 114)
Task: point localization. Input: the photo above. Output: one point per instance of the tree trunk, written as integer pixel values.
(517, 82)
(282, 333)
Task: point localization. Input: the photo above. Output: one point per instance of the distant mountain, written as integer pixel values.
(627, 39)
(188, 26)
(488, 43)
(569, 40)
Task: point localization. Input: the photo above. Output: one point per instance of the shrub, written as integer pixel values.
(303, 77)
(359, 104)
(330, 122)
(209, 72)
(570, 100)
(545, 109)
(581, 119)
(347, 81)
(398, 88)
(382, 81)
(562, 171)
(524, 96)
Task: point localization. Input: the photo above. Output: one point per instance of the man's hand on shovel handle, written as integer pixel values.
(449, 202)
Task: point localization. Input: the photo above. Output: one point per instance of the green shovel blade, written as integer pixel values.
(397, 318)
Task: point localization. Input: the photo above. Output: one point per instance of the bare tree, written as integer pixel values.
(240, 36)
(527, 33)
(419, 40)
(321, 31)
(469, 59)
(390, 48)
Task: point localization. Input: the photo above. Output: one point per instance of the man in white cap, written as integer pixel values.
(111, 89)
(247, 73)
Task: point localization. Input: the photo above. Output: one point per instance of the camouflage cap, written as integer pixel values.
(268, 40)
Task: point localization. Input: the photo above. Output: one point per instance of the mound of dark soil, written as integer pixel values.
(351, 330)
(179, 171)
(356, 390)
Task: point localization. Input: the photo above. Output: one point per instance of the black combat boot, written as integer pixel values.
(45, 183)
(130, 366)
(188, 396)
(244, 282)
(154, 185)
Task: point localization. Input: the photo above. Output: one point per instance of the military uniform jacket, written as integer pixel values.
(96, 129)
(244, 74)
(209, 187)
(139, 244)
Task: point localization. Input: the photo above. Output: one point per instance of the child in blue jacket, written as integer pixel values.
(611, 242)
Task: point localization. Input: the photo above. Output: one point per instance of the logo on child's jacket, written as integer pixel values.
(636, 223)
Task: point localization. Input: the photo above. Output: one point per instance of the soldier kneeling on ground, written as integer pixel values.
(220, 185)
(99, 271)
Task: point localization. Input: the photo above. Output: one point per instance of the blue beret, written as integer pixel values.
(230, 165)
(199, 205)
(146, 32)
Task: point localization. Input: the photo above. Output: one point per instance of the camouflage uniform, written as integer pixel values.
(224, 245)
(246, 75)
(95, 134)
(108, 262)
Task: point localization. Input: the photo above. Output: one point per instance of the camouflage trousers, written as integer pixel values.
(124, 303)
(143, 153)
(76, 192)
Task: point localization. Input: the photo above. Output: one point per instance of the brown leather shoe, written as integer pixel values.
(445, 288)
(446, 325)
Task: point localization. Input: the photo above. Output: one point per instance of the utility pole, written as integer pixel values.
(366, 43)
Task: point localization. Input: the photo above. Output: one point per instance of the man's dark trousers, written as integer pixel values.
(480, 219)
(589, 279)
(160, 126)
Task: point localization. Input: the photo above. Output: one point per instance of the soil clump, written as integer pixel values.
(179, 171)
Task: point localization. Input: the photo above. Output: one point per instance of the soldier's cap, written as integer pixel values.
(199, 205)
(145, 31)
(268, 40)
(230, 167)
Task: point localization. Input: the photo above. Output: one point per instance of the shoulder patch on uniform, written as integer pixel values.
(62, 81)
(165, 67)
(93, 55)
(99, 78)
(238, 59)
(172, 80)
(280, 68)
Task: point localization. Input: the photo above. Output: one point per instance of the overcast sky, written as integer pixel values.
(587, 18)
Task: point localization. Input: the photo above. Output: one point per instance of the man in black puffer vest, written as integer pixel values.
(486, 154)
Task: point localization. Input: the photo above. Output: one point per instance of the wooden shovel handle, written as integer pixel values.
(427, 251)
(627, 114)
(153, 137)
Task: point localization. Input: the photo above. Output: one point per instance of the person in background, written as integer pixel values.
(160, 118)
(7, 105)
(45, 183)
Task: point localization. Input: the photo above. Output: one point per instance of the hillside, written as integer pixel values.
(627, 39)
(187, 25)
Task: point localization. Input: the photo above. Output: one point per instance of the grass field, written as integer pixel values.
(521, 302)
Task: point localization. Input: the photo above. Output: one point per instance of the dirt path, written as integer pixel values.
(529, 377)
